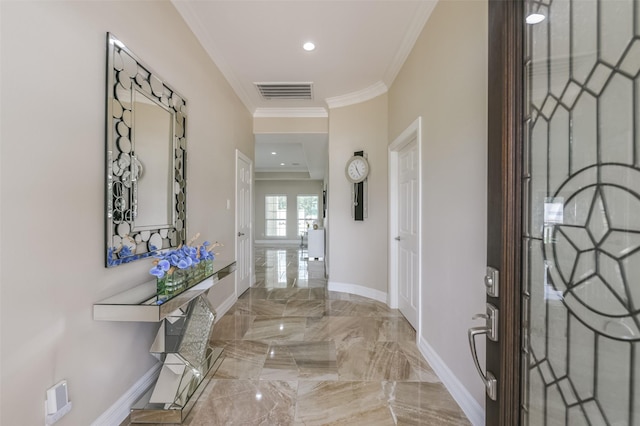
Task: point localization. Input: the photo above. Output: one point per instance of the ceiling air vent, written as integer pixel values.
(290, 91)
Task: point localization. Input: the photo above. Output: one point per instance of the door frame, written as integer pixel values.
(414, 131)
(252, 273)
(504, 218)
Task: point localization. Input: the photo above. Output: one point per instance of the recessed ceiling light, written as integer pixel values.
(282, 164)
(535, 18)
(273, 153)
(308, 46)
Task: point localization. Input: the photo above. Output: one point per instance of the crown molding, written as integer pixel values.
(318, 112)
(198, 28)
(365, 94)
(413, 32)
(193, 20)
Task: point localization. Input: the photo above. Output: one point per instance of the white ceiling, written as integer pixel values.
(360, 47)
(301, 154)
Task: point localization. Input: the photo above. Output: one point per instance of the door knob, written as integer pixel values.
(491, 330)
(489, 380)
(240, 234)
(397, 238)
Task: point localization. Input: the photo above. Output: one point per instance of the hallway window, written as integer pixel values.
(275, 215)
(307, 212)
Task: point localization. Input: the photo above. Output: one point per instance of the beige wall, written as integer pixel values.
(291, 189)
(290, 125)
(52, 177)
(444, 80)
(358, 249)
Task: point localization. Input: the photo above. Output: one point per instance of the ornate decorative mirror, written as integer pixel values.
(146, 159)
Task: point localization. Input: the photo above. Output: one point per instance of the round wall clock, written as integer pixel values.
(357, 169)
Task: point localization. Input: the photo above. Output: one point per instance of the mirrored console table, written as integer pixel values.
(182, 342)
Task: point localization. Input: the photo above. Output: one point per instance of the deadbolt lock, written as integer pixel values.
(491, 282)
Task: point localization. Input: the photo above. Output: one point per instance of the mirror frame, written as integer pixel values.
(125, 242)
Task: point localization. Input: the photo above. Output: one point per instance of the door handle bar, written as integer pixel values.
(489, 380)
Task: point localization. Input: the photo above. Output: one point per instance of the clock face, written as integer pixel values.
(357, 169)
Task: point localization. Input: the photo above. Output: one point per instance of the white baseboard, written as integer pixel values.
(222, 308)
(122, 407)
(474, 411)
(359, 290)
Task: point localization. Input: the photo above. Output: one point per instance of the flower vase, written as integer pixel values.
(200, 271)
(170, 283)
(196, 274)
(208, 267)
(161, 285)
(190, 276)
(181, 279)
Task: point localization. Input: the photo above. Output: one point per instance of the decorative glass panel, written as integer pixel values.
(581, 268)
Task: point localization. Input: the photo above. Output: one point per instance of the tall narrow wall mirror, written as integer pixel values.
(145, 160)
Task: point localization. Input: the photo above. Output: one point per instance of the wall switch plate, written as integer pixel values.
(57, 403)
(57, 397)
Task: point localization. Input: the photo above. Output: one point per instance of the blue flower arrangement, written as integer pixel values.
(183, 257)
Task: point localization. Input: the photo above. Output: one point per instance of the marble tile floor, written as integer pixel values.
(298, 354)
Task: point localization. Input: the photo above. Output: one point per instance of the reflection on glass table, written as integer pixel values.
(142, 302)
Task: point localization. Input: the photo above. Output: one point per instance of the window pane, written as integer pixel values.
(307, 212)
(275, 215)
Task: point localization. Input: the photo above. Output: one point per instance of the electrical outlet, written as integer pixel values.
(57, 403)
(57, 397)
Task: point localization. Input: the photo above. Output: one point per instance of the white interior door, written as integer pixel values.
(243, 222)
(408, 232)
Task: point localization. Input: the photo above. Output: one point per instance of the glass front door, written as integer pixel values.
(581, 194)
